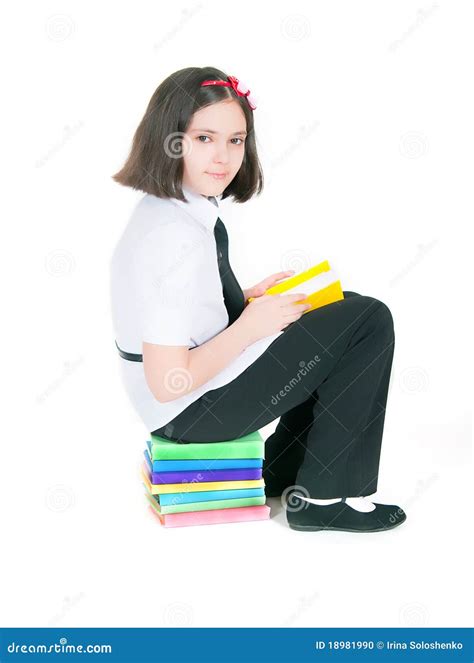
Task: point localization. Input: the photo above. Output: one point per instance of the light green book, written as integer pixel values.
(248, 446)
(204, 506)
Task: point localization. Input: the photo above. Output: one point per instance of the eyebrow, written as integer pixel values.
(210, 131)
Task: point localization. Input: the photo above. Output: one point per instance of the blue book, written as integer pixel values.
(208, 495)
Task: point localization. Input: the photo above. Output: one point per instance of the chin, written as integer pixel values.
(215, 190)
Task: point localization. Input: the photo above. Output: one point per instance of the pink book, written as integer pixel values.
(238, 514)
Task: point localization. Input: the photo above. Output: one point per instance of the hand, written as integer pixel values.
(260, 289)
(269, 314)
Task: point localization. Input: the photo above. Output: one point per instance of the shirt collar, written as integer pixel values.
(202, 209)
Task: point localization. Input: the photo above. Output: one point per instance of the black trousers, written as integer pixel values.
(327, 378)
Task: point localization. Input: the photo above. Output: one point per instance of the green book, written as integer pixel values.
(205, 506)
(248, 446)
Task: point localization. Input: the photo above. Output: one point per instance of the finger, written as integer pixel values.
(282, 275)
(297, 296)
(289, 312)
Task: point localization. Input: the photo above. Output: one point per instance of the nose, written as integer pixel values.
(221, 154)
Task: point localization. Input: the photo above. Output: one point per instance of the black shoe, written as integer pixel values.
(307, 517)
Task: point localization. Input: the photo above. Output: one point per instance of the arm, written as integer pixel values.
(173, 371)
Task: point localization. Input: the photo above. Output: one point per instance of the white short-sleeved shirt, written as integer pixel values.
(166, 289)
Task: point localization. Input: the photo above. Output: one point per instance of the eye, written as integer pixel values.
(232, 139)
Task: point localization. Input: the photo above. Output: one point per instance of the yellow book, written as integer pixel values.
(163, 488)
(319, 283)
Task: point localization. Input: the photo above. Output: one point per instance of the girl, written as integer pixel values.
(201, 363)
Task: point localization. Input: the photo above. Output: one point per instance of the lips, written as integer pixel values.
(217, 174)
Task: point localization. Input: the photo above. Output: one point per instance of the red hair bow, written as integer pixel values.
(238, 86)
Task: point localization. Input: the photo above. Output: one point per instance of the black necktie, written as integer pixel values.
(234, 298)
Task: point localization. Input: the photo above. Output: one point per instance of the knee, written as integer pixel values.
(376, 310)
(384, 314)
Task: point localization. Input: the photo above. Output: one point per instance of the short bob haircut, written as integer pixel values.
(155, 162)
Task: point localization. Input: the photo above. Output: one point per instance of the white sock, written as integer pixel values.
(357, 503)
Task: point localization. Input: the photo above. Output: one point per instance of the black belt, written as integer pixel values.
(129, 355)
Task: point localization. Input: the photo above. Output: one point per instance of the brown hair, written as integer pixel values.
(155, 162)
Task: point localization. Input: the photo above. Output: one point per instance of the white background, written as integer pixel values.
(364, 132)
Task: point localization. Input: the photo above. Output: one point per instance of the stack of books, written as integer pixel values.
(204, 483)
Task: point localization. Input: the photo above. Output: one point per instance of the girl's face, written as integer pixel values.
(214, 144)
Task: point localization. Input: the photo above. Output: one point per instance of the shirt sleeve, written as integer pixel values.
(167, 296)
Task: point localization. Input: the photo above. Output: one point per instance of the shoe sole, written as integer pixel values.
(315, 528)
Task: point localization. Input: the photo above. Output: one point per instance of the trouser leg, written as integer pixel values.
(285, 448)
(344, 439)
